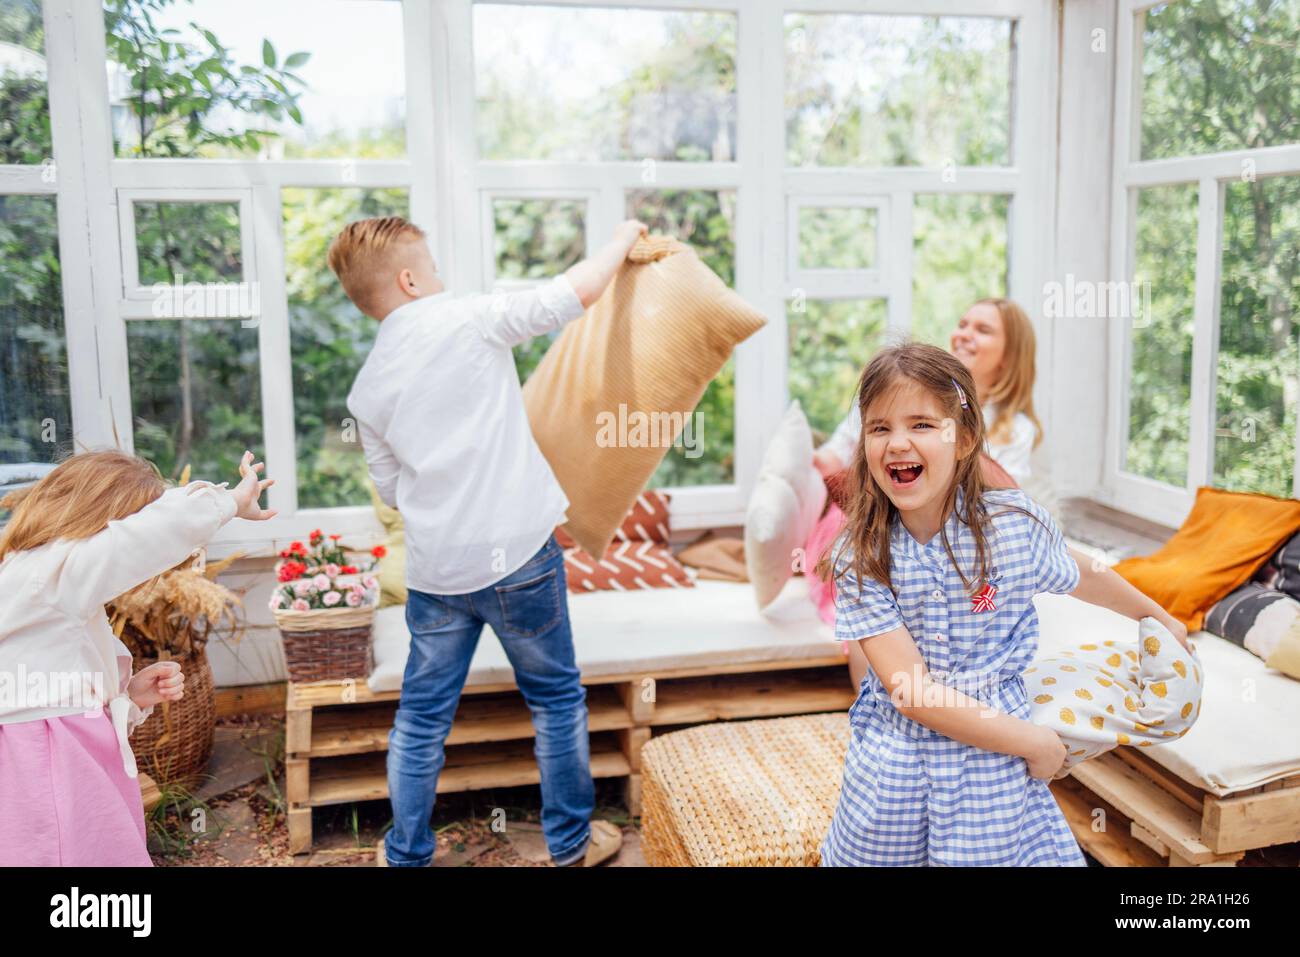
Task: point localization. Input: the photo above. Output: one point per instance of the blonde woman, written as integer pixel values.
(994, 339)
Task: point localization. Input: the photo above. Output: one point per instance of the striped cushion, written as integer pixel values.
(643, 353)
(1262, 620)
(626, 565)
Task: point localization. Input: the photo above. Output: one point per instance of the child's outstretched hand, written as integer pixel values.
(162, 681)
(249, 489)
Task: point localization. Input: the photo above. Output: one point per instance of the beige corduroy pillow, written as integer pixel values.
(651, 344)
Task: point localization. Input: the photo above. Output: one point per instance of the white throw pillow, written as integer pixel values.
(787, 500)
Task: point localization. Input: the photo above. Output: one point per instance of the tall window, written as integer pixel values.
(852, 173)
(224, 98)
(607, 97)
(891, 94)
(1209, 373)
(35, 407)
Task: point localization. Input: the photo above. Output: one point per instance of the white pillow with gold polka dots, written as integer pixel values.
(1100, 696)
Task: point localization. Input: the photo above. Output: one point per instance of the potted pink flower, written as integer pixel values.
(324, 605)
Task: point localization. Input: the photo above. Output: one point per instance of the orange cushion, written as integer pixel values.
(611, 395)
(1225, 538)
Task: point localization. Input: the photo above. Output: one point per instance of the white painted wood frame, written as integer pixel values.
(1210, 174)
(450, 193)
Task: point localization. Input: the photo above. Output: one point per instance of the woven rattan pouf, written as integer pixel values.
(742, 794)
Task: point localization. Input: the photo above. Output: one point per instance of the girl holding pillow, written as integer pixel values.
(936, 575)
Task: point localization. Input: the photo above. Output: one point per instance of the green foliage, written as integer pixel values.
(1220, 75)
(181, 92)
(897, 91)
(24, 101)
(329, 340)
(34, 403)
(959, 255)
(830, 343)
(676, 101)
(1259, 337)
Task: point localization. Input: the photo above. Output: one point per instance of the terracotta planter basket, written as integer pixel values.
(174, 744)
(327, 644)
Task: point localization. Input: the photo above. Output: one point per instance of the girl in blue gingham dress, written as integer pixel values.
(952, 626)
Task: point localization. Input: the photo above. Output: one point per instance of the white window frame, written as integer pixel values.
(767, 191)
(99, 252)
(132, 290)
(1210, 173)
(450, 190)
(854, 283)
(487, 228)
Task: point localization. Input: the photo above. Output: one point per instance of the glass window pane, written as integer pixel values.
(959, 255)
(831, 342)
(1160, 363)
(1259, 337)
(591, 83)
(196, 395)
(536, 239)
(897, 91)
(188, 242)
(1220, 75)
(24, 100)
(35, 411)
(706, 220)
(282, 80)
(328, 341)
(837, 237)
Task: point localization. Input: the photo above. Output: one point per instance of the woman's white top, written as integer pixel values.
(1013, 455)
(58, 655)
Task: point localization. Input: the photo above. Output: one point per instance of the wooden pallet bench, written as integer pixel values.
(336, 733)
(1154, 818)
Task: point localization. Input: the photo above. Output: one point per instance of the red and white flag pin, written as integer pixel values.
(983, 599)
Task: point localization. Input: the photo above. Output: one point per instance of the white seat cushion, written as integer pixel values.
(657, 630)
(1237, 743)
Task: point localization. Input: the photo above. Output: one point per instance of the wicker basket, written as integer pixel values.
(174, 743)
(327, 644)
(742, 794)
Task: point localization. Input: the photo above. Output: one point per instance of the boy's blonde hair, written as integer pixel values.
(1014, 390)
(78, 499)
(366, 253)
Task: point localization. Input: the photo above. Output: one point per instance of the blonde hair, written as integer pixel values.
(365, 253)
(1014, 390)
(78, 499)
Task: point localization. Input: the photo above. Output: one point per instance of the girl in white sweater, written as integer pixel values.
(96, 526)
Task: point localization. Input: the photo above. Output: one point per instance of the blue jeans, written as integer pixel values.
(528, 611)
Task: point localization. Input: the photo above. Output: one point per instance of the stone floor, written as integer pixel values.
(235, 818)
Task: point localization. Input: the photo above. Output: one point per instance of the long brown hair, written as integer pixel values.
(869, 511)
(1014, 390)
(78, 499)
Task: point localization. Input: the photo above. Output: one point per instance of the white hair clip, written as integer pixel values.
(961, 393)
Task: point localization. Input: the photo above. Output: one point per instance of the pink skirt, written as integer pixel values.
(65, 799)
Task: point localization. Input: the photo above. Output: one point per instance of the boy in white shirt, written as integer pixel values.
(447, 441)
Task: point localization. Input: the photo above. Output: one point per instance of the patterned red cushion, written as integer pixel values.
(626, 566)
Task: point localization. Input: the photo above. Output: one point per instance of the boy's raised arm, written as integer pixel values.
(514, 318)
(590, 277)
